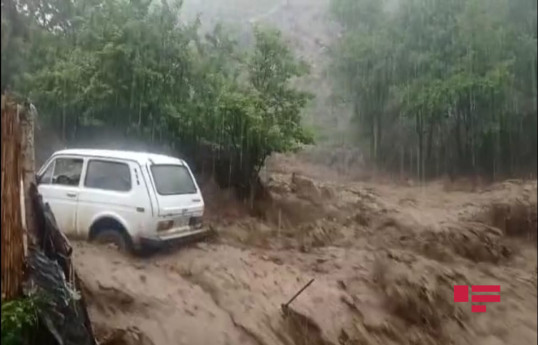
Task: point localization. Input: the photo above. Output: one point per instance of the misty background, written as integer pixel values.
(421, 89)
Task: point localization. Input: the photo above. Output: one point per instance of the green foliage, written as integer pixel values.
(271, 67)
(136, 68)
(19, 319)
(454, 81)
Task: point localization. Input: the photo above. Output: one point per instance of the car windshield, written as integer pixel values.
(172, 180)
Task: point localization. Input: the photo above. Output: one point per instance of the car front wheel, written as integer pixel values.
(115, 238)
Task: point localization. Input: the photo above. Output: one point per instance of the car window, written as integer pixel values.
(108, 175)
(46, 177)
(172, 180)
(67, 171)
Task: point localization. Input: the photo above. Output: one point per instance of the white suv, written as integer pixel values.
(128, 198)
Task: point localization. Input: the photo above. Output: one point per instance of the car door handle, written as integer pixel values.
(72, 195)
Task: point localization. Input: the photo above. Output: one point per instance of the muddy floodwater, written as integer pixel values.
(384, 257)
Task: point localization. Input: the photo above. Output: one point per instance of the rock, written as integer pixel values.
(305, 188)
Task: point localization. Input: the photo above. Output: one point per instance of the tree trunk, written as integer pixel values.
(376, 143)
(459, 144)
(63, 125)
(372, 141)
(420, 148)
(12, 249)
(428, 158)
(64, 116)
(28, 117)
(417, 155)
(510, 155)
(75, 129)
(151, 118)
(402, 162)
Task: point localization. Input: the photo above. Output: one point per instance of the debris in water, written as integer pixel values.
(285, 306)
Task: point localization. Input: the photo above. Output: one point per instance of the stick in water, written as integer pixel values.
(285, 306)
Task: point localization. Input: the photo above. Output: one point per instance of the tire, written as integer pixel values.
(114, 237)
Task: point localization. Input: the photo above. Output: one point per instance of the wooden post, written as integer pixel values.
(27, 118)
(12, 247)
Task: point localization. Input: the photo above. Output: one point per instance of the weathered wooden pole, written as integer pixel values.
(28, 115)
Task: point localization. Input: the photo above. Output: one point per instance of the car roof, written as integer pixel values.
(140, 157)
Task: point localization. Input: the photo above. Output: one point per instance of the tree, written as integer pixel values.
(451, 71)
(134, 68)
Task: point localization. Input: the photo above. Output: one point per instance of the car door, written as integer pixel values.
(59, 185)
(111, 189)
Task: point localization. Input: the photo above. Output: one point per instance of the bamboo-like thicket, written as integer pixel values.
(442, 87)
(12, 228)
